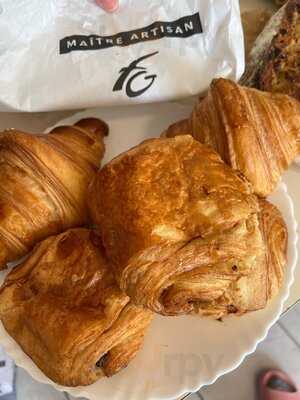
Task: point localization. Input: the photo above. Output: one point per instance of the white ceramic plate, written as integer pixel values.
(180, 354)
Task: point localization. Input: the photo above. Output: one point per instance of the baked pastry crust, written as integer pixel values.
(182, 229)
(170, 190)
(237, 121)
(63, 307)
(276, 237)
(274, 60)
(44, 180)
(253, 22)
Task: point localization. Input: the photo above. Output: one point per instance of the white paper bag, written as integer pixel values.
(64, 54)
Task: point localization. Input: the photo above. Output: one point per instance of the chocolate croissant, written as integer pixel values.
(44, 179)
(255, 132)
(241, 269)
(184, 232)
(275, 235)
(63, 307)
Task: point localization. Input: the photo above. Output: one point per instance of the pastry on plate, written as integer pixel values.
(255, 132)
(275, 235)
(63, 307)
(183, 230)
(273, 63)
(44, 179)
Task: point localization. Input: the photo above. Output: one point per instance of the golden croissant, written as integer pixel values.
(255, 132)
(63, 307)
(184, 232)
(44, 179)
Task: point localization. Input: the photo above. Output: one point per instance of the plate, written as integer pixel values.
(180, 354)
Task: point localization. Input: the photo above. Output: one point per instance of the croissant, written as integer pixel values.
(63, 307)
(183, 230)
(255, 132)
(44, 179)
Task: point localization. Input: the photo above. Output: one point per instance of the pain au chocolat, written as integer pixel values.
(185, 232)
(64, 308)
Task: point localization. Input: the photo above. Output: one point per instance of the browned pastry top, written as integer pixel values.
(63, 307)
(274, 60)
(182, 229)
(276, 237)
(43, 183)
(166, 191)
(255, 132)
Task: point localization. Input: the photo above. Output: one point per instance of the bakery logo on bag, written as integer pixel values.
(181, 28)
(131, 73)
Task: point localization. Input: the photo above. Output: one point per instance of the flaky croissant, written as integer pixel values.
(255, 132)
(44, 179)
(63, 307)
(183, 230)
